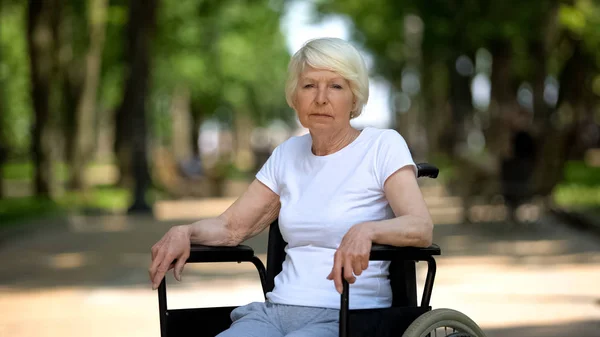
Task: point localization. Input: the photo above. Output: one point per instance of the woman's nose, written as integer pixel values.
(322, 97)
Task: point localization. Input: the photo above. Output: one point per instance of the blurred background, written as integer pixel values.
(121, 118)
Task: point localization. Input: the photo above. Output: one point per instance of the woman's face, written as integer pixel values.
(323, 100)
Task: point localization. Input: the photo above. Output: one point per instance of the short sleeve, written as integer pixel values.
(269, 173)
(392, 155)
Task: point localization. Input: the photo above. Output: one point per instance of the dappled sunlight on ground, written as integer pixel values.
(498, 293)
(89, 276)
(113, 223)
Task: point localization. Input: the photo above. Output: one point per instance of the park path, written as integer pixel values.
(87, 275)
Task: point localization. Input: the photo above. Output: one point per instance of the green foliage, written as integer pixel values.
(14, 78)
(15, 210)
(578, 173)
(105, 198)
(230, 54)
(448, 170)
(109, 198)
(580, 187)
(582, 19)
(576, 196)
(24, 171)
(17, 171)
(449, 27)
(112, 80)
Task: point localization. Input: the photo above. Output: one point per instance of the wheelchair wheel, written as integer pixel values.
(443, 322)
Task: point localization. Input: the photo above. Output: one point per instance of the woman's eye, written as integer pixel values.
(308, 86)
(337, 86)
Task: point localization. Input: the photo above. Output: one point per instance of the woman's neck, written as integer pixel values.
(326, 143)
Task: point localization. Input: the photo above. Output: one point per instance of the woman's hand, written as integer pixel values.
(175, 244)
(352, 255)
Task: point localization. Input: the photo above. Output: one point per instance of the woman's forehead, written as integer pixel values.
(311, 73)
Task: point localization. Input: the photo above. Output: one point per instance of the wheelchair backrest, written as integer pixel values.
(402, 273)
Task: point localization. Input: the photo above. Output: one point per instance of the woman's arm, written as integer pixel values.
(248, 216)
(412, 225)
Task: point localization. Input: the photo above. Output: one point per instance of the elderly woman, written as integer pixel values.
(336, 190)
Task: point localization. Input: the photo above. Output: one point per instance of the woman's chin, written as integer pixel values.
(320, 124)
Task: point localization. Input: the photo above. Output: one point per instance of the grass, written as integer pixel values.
(580, 188)
(577, 196)
(105, 198)
(18, 209)
(24, 171)
(101, 197)
(578, 173)
(15, 210)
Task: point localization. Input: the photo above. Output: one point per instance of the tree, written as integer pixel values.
(42, 36)
(131, 115)
(225, 60)
(83, 144)
(528, 42)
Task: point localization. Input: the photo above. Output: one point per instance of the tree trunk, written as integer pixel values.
(541, 111)
(197, 120)
(71, 90)
(123, 146)
(84, 136)
(131, 115)
(3, 146)
(435, 92)
(41, 38)
(181, 124)
(503, 104)
(557, 139)
(3, 138)
(461, 104)
(243, 155)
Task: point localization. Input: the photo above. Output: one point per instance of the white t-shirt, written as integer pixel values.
(321, 198)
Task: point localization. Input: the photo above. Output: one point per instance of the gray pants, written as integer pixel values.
(266, 319)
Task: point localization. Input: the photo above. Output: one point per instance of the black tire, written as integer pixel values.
(439, 318)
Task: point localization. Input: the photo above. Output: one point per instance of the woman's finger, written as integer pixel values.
(164, 266)
(336, 272)
(178, 269)
(357, 266)
(155, 263)
(348, 274)
(156, 248)
(365, 262)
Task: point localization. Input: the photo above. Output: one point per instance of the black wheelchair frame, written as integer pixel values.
(393, 321)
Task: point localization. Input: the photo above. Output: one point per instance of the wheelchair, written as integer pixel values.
(404, 318)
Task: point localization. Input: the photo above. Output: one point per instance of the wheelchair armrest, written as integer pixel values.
(201, 253)
(388, 253)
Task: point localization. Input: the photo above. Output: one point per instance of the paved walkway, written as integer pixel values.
(87, 276)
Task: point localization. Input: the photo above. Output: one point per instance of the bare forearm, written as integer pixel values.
(226, 231)
(248, 216)
(403, 231)
(212, 232)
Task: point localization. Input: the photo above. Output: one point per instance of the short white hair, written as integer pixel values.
(335, 55)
